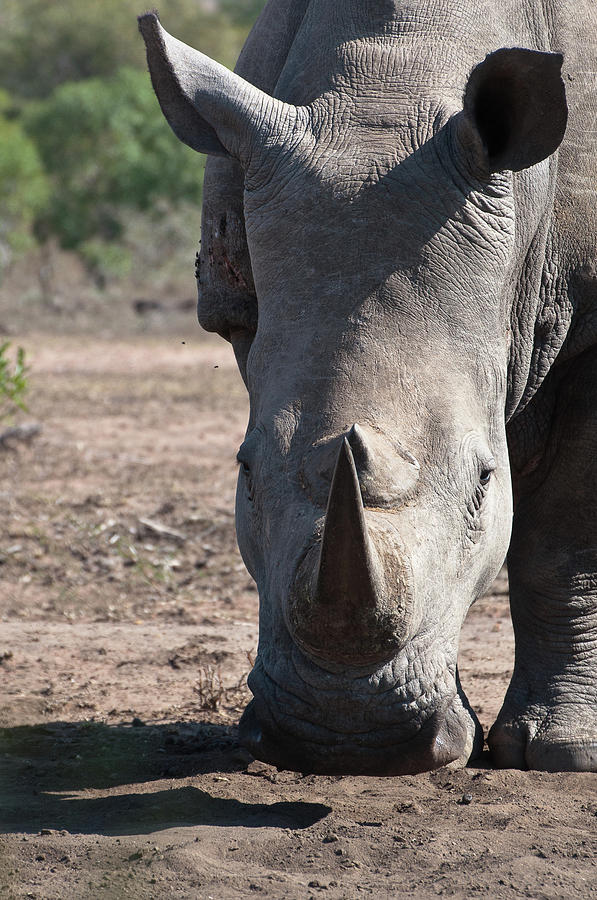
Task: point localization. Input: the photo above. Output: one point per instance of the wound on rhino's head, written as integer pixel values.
(373, 501)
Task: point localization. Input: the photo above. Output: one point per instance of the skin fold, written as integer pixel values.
(399, 241)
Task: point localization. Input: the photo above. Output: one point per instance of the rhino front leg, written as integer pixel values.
(549, 717)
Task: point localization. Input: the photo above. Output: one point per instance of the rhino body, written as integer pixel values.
(399, 239)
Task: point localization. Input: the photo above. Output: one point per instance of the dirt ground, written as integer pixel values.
(128, 626)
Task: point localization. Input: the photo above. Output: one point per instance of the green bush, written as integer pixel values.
(24, 187)
(44, 43)
(107, 148)
(84, 148)
(104, 260)
(13, 382)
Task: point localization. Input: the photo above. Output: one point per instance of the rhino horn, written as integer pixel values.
(349, 569)
(208, 107)
(346, 612)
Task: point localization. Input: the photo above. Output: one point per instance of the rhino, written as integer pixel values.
(399, 240)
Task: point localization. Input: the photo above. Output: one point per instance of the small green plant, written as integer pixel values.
(13, 382)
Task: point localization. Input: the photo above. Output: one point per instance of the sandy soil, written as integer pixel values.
(128, 628)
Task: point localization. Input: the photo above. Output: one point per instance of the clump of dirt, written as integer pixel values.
(129, 625)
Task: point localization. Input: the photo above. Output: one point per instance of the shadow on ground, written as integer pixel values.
(42, 767)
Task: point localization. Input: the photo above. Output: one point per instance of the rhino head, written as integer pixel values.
(387, 237)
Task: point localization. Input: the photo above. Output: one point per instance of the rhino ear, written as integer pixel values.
(207, 106)
(515, 104)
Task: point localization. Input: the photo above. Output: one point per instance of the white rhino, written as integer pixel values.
(405, 264)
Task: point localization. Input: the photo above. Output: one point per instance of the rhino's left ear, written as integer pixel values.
(207, 106)
(515, 107)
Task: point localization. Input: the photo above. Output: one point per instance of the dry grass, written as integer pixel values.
(210, 688)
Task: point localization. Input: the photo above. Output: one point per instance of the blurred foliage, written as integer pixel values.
(43, 44)
(24, 187)
(243, 12)
(170, 231)
(13, 382)
(105, 260)
(82, 139)
(107, 146)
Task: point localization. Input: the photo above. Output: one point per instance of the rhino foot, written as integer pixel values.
(562, 739)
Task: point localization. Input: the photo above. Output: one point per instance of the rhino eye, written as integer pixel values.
(245, 468)
(248, 480)
(485, 477)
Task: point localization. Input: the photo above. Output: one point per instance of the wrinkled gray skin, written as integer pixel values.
(414, 312)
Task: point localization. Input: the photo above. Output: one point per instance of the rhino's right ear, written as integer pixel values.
(515, 108)
(207, 106)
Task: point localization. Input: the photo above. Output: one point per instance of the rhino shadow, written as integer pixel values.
(43, 766)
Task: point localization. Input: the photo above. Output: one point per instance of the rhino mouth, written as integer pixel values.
(369, 725)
